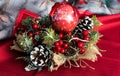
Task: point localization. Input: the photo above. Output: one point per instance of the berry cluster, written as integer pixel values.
(60, 45)
(32, 30)
(80, 44)
(35, 27)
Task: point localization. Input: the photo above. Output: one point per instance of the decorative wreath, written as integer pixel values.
(60, 38)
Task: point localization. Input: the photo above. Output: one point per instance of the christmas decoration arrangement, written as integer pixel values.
(62, 38)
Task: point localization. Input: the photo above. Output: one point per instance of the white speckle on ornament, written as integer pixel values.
(70, 18)
(64, 15)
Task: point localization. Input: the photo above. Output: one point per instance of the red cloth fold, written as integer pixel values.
(108, 65)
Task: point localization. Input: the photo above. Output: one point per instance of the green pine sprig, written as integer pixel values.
(26, 42)
(95, 36)
(50, 37)
(27, 21)
(45, 20)
(96, 22)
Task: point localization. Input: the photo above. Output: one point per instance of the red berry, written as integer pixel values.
(18, 29)
(65, 45)
(80, 44)
(77, 39)
(85, 32)
(60, 42)
(56, 44)
(61, 35)
(82, 50)
(30, 34)
(34, 42)
(37, 32)
(62, 50)
(35, 26)
(55, 50)
(86, 38)
(43, 26)
(58, 48)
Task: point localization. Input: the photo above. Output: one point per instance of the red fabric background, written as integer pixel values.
(108, 65)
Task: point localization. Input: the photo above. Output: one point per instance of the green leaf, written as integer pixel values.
(27, 21)
(95, 36)
(45, 21)
(96, 22)
(37, 37)
(26, 42)
(50, 37)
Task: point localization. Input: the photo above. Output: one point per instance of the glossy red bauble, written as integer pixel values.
(64, 17)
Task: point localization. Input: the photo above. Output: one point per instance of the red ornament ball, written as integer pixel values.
(64, 17)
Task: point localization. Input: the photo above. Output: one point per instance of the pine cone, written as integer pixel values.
(85, 24)
(40, 56)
